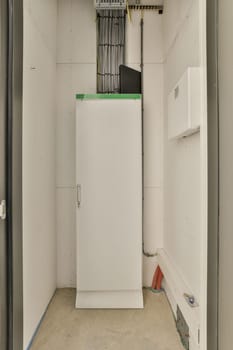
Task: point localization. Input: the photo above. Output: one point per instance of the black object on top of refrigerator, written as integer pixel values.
(130, 80)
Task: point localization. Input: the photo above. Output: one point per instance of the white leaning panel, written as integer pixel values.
(184, 105)
(109, 220)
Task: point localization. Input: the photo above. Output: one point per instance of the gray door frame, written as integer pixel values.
(3, 119)
(213, 175)
(225, 74)
(11, 62)
(14, 175)
(220, 144)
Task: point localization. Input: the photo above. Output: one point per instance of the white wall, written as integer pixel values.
(76, 73)
(182, 158)
(39, 238)
(76, 69)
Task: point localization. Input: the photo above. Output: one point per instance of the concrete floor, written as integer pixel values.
(65, 328)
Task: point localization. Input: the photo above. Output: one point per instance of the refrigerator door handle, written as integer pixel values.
(79, 195)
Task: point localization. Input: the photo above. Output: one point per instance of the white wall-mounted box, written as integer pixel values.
(184, 105)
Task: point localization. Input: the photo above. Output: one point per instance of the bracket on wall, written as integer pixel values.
(190, 300)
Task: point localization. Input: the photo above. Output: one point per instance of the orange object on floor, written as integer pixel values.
(153, 286)
(157, 279)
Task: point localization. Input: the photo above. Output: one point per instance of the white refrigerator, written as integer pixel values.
(109, 201)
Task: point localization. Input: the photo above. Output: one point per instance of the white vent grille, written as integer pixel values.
(110, 4)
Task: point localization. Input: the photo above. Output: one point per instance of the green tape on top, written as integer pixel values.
(108, 96)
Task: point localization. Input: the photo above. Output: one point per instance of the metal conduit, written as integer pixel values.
(145, 253)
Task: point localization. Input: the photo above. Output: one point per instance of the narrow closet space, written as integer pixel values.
(113, 182)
